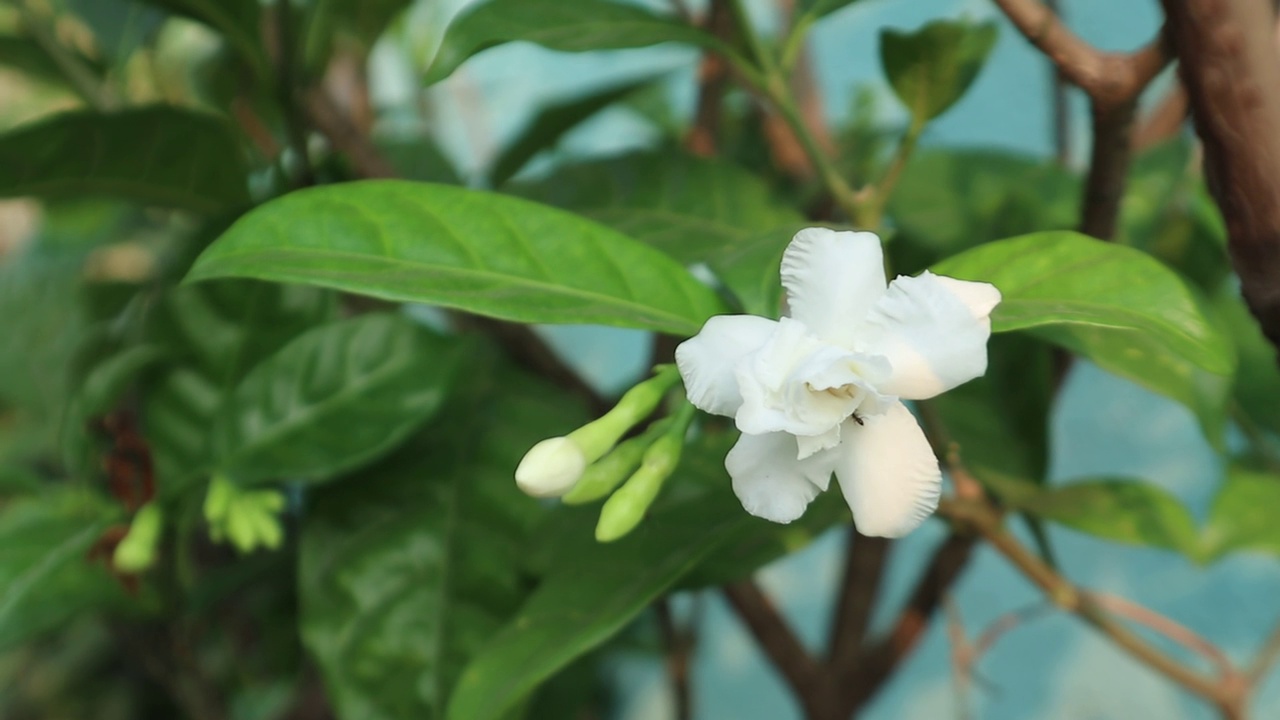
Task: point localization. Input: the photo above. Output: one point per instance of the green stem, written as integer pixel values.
(883, 190)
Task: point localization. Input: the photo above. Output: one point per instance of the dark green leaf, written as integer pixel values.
(25, 55)
(590, 593)
(471, 250)
(1257, 382)
(236, 20)
(408, 567)
(1126, 511)
(45, 577)
(333, 398)
(1114, 305)
(552, 122)
(158, 155)
(1243, 515)
(177, 415)
(1064, 278)
(931, 68)
(363, 21)
(419, 159)
(690, 208)
(565, 25)
(752, 269)
(951, 200)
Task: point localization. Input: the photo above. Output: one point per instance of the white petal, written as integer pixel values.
(770, 481)
(934, 332)
(832, 280)
(888, 473)
(707, 360)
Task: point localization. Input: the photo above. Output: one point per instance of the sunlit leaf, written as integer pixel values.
(480, 252)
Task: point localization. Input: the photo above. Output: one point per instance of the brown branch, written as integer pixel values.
(1108, 168)
(1229, 66)
(713, 82)
(980, 517)
(1165, 626)
(1108, 78)
(802, 673)
(345, 137)
(859, 589)
(677, 648)
(1060, 107)
(881, 659)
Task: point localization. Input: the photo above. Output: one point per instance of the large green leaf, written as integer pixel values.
(45, 576)
(475, 251)
(690, 208)
(565, 25)
(333, 398)
(1123, 510)
(409, 566)
(1243, 514)
(1117, 306)
(1065, 278)
(553, 122)
(157, 155)
(930, 69)
(237, 20)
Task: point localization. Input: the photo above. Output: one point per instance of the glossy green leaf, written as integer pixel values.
(949, 200)
(236, 20)
(564, 25)
(552, 122)
(158, 156)
(409, 566)
(1122, 510)
(1064, 278)
(475, 251)
(1243, 514)
(930, 68)
(752, 269)
(690, 208)
(1114, 305)
(334, 397)
(45, 577)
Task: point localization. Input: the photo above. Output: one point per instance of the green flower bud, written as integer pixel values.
(609, 471)
(624, 510)
(137, 551)
(217, 499)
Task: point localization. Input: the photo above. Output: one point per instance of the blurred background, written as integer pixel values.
(1049, 667)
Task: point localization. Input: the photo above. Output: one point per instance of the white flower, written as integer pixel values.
(820, 391)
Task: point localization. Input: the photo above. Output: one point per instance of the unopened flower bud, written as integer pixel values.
(624, 510)
(551, 468)
(137, 551)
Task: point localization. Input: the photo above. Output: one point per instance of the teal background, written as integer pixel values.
(1053, 667)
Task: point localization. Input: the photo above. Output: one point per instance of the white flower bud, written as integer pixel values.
(551, 468)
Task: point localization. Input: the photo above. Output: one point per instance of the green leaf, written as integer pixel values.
(821, 8)
(591, 592)
(159, 156)
(931, 68)
(178, 411)
(333, 398)
(45, 577)
(951, 200)
(690, 208)
(1243, 515)
(1123, 510)
(475, 251)
(25, 55)
(408, 567)
(752, 269)
(1257, 382)
(564, 25)
(419, 158)
(1000, 420)
(236, 20)
(552, 123)
(1065, 278)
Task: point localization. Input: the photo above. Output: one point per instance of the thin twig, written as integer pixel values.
(286, 88)
(1168, 627)
(1060, 109)
(982, 518)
